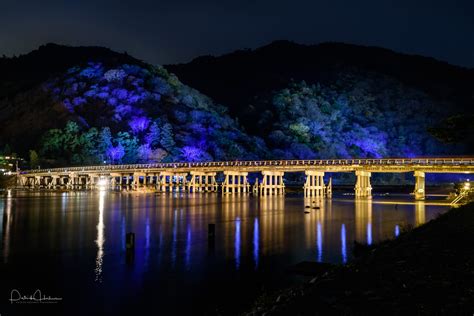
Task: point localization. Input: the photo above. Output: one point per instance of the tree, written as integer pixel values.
(115, 154)
(104, 143)
(138, 124)
(34, 160)
(167, 138)
(88, 146)
(7, 150)
(153, 137)
(130, 146)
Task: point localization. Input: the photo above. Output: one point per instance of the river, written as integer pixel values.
(71, 246)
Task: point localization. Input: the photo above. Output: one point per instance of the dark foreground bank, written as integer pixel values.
(428, 270)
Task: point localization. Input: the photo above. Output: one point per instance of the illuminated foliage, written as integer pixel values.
(143, 114)
(357, 117)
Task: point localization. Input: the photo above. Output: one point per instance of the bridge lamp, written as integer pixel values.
(102, 184)
(467, 185)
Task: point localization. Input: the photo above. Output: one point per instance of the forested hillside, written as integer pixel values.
(86, 105)
(406, 103)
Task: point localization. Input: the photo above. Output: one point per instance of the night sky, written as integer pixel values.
(172, 31)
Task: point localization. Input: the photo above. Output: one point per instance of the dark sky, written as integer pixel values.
(171, 31)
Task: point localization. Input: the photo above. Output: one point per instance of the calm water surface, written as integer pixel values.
(72, 245)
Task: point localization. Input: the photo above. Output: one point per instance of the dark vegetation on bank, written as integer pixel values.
(428, 270)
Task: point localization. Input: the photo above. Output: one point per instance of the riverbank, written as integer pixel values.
(427, 270)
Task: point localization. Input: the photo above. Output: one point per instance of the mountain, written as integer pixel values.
(89, 105)
(84, 105)
(236, 79)
(289, 94)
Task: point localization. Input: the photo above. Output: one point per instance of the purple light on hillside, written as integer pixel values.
(139, 124)
(116, 153)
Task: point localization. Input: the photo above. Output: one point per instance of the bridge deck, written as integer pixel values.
(429, 165)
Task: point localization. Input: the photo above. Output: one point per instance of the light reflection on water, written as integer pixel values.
(256, 240)
(237, 242)
(343, 243)
(260, 225)
(100, 239)
(6, 221)
(254, 236)
(397, 230)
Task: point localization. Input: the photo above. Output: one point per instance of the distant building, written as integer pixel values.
(9, 163)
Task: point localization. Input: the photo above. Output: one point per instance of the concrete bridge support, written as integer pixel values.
(272, 183)
(363, 187)
(419, 185)
(314, 185)
(202, 182)
(235, 182)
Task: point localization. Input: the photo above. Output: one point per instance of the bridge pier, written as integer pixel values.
(37, 182)
(73, 181)
(114, 184)
(171, 181)
(314, 185)
(136, 184)
(126, 180)
(272, 183)
(363, 187)
(152, 180)
(50, 182)
(419, 185)
(328, 188)
(202, 182)
(90, 183)
(62, 181)
(235, 182)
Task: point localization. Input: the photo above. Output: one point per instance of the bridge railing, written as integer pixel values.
(263, 163)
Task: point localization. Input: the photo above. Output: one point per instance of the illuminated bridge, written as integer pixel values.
(201, 176)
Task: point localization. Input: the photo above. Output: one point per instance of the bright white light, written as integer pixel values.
(102, 183)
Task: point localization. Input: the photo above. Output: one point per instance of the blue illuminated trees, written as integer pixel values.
(356, 117)
(154, 135)
(130, 145)
(145, 110)
(167, 137)
(145, 114)
(105, 144)
(115, 153)
(139, 124)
